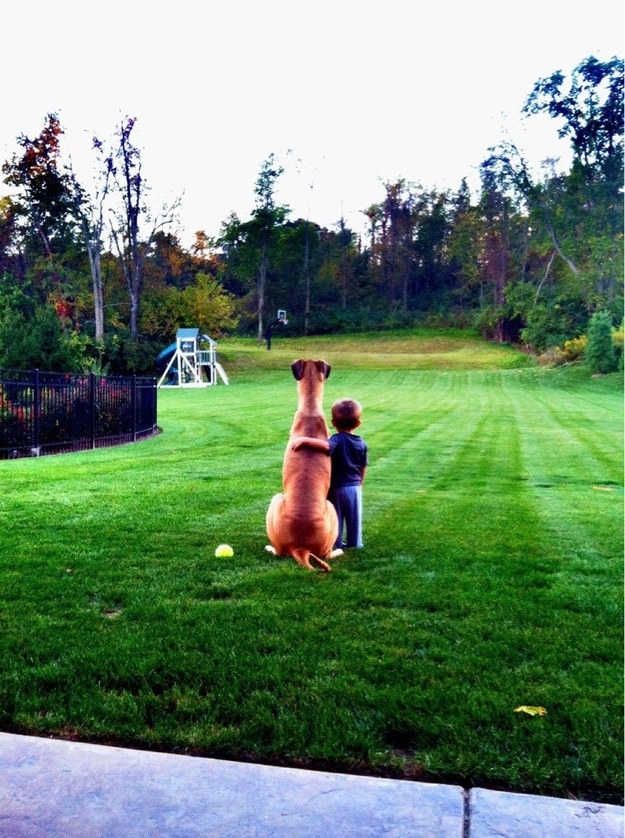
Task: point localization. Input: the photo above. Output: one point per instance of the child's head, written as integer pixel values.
(346, 414)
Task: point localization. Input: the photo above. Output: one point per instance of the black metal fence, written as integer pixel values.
(54, 413)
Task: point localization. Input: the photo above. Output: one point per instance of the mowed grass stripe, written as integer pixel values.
(466, 467)
(588, 435)
(573, 465)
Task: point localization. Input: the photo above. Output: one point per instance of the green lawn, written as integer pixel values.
(491, 576)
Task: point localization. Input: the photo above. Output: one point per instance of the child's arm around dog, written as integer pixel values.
(310, 442)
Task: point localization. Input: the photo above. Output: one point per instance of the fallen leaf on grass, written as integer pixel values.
(533, 711)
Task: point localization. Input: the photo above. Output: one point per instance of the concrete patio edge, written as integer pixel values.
(58, 789)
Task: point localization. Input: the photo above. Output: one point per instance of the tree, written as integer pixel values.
(393, 253)
(131, 242)
(247, 246)
(265, 217)
(599, 354)
(495, 250)
(574, 242)
(463, 247)
(43, 186)
(584, 209)
(373, 214)
(294, 260)
(431, 238)
(398, 219)
(89, 211)
(209, 307)
(41, 225)
(345, 256)
(306, 268)
(10, 240)
(591, 108)
(170, 264)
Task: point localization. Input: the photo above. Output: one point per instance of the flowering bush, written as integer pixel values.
(14, 424)
(573, 350)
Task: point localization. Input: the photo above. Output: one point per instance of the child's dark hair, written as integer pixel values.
(346, 414)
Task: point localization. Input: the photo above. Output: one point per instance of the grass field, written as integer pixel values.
(491, 576)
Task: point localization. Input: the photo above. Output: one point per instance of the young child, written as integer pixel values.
(349, 464)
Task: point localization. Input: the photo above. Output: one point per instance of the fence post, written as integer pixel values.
(134, 408)
(154, 403)
(36, 411)
(92, 427)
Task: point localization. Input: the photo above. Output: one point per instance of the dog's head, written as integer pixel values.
(299, 369)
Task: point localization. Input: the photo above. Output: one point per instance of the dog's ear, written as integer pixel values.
(298, 370)
(324, 368)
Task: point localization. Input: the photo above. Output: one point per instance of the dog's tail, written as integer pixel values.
(303, 556)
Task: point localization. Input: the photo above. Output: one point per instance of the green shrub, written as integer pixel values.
(618, 336)
(600, 355)
(38, 342)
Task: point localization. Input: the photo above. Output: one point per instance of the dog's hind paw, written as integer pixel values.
(335, 553)
(271, 550)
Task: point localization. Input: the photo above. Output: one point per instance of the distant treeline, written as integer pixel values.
(94, 279)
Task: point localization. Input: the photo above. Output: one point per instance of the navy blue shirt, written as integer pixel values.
(349, 457)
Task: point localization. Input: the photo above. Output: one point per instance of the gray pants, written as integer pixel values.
(347, 501)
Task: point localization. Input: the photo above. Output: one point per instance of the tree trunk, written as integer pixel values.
(307, 280)
(135, 289)
(93, 249)
(262, 279)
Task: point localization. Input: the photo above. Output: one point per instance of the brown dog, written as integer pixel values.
(301, 522)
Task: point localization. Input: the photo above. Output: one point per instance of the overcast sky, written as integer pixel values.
(347, 94)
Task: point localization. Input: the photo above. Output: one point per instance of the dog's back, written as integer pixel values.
(301, 522)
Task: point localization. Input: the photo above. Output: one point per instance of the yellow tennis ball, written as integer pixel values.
(224, 550)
